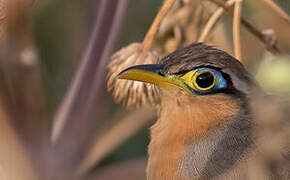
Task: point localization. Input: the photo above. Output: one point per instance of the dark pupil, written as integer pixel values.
(205, 80)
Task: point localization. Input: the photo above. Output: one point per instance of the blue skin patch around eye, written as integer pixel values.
(221, 83)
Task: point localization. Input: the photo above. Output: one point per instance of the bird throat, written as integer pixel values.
(183, 138)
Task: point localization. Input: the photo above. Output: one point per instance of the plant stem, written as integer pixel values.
(278, 10)
(259, 34)
(212, 20)
(236, 29)
(148, 40)
(74, 120)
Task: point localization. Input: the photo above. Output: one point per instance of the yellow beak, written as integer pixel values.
(152, 73)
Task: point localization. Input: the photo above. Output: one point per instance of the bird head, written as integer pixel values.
(204, 100)
(203, 88)
(197, 69)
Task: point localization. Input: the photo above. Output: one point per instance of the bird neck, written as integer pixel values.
(192, 135)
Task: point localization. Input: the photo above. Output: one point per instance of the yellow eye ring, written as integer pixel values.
(208, 86)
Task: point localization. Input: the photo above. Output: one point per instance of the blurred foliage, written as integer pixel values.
(274, 74)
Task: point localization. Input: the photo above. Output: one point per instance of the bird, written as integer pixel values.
(205, 121)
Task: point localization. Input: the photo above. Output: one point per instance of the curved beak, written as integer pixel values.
(152, 73)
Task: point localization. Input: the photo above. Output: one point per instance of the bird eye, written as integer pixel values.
(204, 80)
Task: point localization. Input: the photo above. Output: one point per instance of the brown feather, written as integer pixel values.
(180, 126)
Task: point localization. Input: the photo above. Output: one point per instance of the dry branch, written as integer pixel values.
(148, 40)
(265, 38)
(212, 20)
(236, 29)
(73, 122)
(87, 80)
(278, 10)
